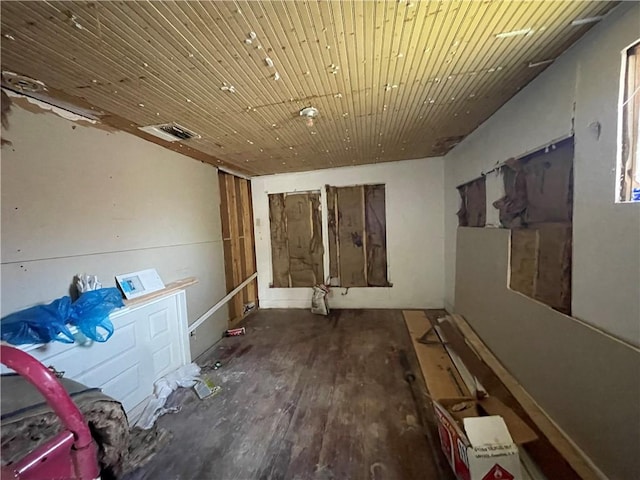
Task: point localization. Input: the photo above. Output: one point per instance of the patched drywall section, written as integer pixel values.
(414, 216)
(585, 380)
(579, 91)
(77, 199)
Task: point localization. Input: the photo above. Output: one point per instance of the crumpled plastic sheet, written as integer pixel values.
(185, 377)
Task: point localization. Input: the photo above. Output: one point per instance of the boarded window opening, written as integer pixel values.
(296, 239)
(357, 236)
(473, 203)
(629, 163)
(538, 208)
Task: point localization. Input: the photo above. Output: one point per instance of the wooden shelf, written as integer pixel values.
(170, 288)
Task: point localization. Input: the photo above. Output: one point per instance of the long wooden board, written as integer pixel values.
(554, 435)
(169, 288)
(440, 375)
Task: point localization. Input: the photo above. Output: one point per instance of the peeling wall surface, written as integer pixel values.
(77, 199)
(414, 208)
(606, 235)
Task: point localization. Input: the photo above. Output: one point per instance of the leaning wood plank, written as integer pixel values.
(168, 289)
(556, 437)
(436, 366)
(220, 303)
(247, 233)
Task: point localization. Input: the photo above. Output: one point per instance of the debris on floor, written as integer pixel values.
(185, 376)
(206, 388)
(319, 304)
(233, 332)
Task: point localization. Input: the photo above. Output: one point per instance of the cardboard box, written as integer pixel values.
(480, 438)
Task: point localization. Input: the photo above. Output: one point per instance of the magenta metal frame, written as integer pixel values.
(71, 454)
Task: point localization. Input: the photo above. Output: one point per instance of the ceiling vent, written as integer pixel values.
(21, 83)
(171, 132)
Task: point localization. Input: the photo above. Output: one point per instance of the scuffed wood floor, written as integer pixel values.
(304, 397)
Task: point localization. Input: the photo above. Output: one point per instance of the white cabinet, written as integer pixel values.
(149, 341)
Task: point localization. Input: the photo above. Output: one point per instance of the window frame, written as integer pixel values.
(628, 149)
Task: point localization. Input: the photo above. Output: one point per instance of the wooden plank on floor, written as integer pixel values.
(440, 375)
(565, 447)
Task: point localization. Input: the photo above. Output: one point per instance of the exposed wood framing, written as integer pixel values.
(238, 241)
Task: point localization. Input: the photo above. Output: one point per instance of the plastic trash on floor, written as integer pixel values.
(319, 304)
(186, 376)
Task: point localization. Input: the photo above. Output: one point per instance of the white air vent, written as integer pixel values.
(22, 83)
(171, 132)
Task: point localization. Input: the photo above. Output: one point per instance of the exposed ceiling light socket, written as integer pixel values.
(584, 21)
(310, 114)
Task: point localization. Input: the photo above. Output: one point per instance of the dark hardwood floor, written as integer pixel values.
(303, 397)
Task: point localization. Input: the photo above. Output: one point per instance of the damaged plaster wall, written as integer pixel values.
(414, 216)
(606, 235)
(77, 199)
(551, 354)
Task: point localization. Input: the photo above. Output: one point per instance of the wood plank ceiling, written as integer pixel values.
(392, 80)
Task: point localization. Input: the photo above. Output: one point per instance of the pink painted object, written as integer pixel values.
(70, 454)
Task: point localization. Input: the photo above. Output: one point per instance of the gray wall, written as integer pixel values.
(606, 235)
(583, 370)
(77, 199)
(587, 381)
